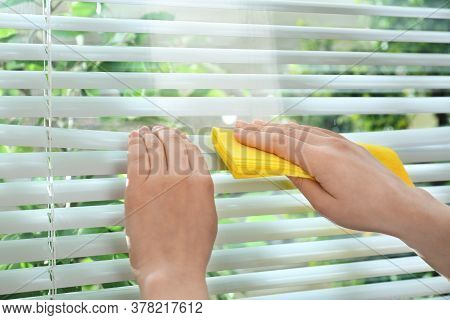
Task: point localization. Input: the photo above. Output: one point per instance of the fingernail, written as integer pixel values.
(157, 128)
(134, 134)
(240, 123)
(144, 130)
(259, 121)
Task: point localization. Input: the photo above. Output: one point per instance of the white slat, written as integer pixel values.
(298, 6)
(13, 251)
(13, 51)
(81, 190)
(34, 22)
(77, 274)
(133, 80)
(35, 136)
(429, 172)
(78, 107)
(122, 293)
(109, 215)
(441, 298)
(97, 216)
(405, 289)
(424, 153)
(315, 275)
(18, 193)
(26, 165)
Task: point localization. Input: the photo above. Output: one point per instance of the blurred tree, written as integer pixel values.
(384, 122)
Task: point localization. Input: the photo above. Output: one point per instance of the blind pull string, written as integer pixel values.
(51, 234)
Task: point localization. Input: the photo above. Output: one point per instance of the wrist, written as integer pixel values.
(426, 228)
(418, 216)
(173, 285)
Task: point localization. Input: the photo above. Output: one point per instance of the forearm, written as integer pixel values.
(426, 229)
(173, 287)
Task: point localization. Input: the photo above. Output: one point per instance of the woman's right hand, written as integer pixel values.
(354, 189)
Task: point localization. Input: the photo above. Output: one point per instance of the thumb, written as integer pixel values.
(319, 198)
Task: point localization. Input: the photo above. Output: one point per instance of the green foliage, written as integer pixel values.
(7, 34)
(377, 122)
(162, 15)
(83, 9)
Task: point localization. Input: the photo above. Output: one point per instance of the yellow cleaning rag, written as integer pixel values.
(247, 162)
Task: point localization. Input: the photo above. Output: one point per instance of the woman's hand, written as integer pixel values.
(171, 219)
(353, 189)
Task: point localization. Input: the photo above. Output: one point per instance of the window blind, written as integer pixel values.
(77, 76)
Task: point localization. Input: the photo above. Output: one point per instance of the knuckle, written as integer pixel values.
(339, 144)
(276, 138)
(272, 142)
(272, 129)
(285, 127)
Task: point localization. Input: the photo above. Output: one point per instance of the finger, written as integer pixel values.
(292, 125)
(184, 163)
(320, 199)
(241, 124)
(279, 144)
(321, 130)
(196, 160)
(259, 122)
(162, 127)
(146, 161)
(138, 166)
(305, 134)
(156, 152)
(316, 130)
(176, 154)
(144, 130)
(248, 126)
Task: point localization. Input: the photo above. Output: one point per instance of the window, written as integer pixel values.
(76, 77)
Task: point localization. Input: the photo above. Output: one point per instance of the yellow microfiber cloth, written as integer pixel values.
(247, 162)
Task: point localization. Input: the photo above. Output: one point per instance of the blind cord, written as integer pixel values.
(47, 41)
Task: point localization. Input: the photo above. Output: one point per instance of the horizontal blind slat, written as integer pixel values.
(26, 165)
(33, 279)
(11, 51)
(122, 293)
(299, 6)
(13, 251)
(78, 107)
(404, 289)
(315, 275)
(17, 193)
(110, 215)
(81, 190)
(34, 136)
(429, 172)
(133, 80)
(36, 22)
(107, 215)
(424, 153)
